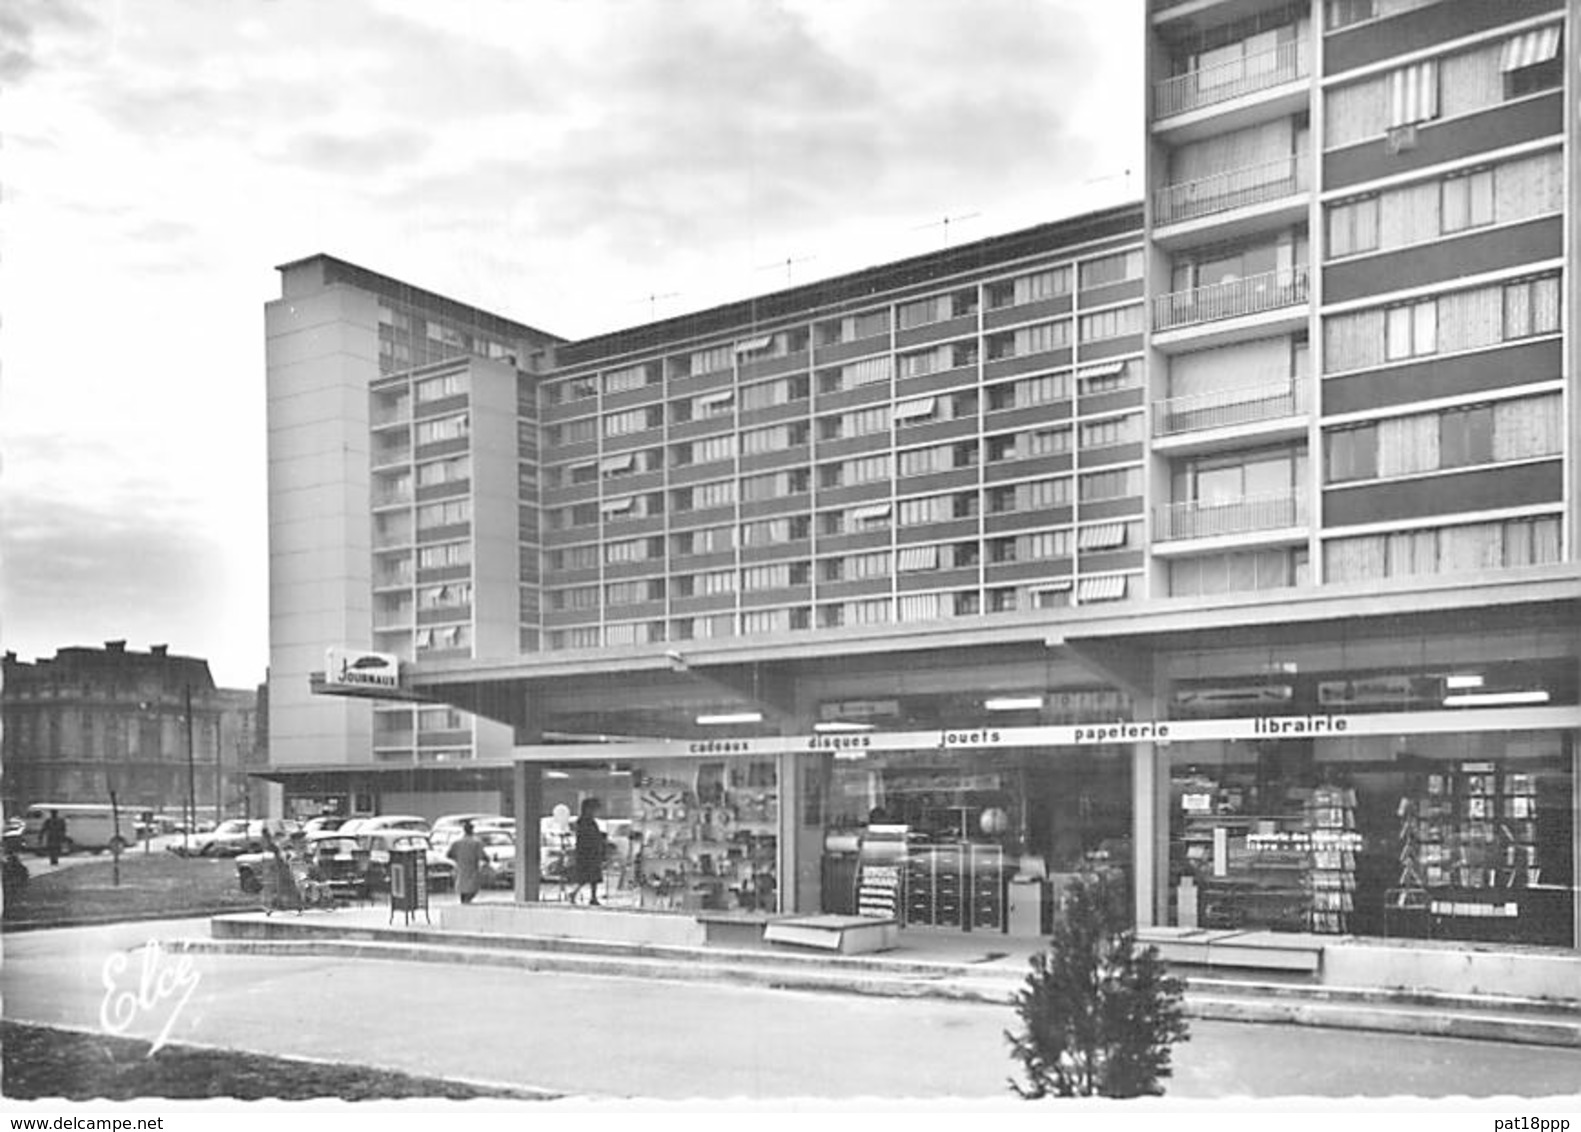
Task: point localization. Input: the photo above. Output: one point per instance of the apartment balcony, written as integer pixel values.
(386, 415)
(392, 497)
(1233, 79)
(1249, 198)
(1202, 420)
(385, 455)
(1176, 521)
(1221, 304)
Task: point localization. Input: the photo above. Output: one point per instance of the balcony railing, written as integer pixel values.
(1236, 188)
(384, 454)
(1231, 79)
(1268, 291)
(1223, 408)
(1205, 520)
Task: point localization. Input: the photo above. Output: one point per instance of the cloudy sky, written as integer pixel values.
(578, 165)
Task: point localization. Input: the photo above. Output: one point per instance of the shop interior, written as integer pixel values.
(946, 841)
(1463, 836)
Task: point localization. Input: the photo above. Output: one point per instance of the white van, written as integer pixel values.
(88, 826)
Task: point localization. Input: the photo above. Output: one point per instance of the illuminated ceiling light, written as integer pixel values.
(1466, 680)
(842, 725)
(1494, 699)
(726, 718)
(555, 774)
(1013, 703)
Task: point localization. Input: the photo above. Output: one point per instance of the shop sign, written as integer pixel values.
(855, 745)
(346, 668)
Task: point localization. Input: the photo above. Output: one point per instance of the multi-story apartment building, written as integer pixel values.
(90, 721)
(1227, 541)
(394, 434)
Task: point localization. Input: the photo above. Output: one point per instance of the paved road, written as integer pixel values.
(635, 1038)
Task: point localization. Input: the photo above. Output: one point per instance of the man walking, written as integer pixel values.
(54, 836)
(467, 852)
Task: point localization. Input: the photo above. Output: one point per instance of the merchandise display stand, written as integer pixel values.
(1331, 821)
(1470, 863)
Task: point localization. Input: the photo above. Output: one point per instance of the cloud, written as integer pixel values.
(20, 22)
(365, 155)
(76, 571)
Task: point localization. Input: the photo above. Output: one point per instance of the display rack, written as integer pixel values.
(717, 855)
(1468, 852)
(1334, 842)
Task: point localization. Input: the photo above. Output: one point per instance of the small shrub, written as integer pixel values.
(1099, 1013)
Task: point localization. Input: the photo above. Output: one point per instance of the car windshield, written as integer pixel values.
(496, 837)
(236, 826)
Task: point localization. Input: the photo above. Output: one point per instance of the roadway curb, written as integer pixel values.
(7, 926)
(1513, 1021)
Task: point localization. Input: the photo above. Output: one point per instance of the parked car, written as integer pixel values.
(234, 837)
(362, 861)
(380, 842)
(324, 823)
(227, 839)
(334, 859)
(409, 822)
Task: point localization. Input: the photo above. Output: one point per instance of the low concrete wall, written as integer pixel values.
(1453, 970)
(568, 921)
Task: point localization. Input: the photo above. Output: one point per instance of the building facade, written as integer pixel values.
(393, 491)
(1225, 541)
(88, 721)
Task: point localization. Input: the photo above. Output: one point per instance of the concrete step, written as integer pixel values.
(1539, 1022)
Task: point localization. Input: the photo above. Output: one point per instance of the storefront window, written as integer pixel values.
(951, 835)
(703, 836)
(1460, 836)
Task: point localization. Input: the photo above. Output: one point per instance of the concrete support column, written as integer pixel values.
(1150, 823)
(528, 791)
(787, 886)
(1149, 834)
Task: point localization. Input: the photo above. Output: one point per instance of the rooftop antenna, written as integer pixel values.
(787, 263)
(946, 222)
(1126, 173)
(652, 300)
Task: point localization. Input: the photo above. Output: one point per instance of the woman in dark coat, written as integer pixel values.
(589, 866)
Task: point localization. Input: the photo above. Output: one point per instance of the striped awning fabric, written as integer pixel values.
(714, 399)
(875, 511)
(1413, 93)
(1530, 48)
(1103, 536)
(613, 506)
(1111, 588)
(921, 407)
(753, 345)
(1101, 371)
(617, 463)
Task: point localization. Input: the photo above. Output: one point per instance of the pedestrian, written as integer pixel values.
(54, 836)
(467, 852)
(280, 890)
(588, 868)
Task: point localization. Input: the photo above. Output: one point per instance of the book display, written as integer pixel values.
(1471, 858)
(1278, 858)
(1333, 845)
(1247, 855)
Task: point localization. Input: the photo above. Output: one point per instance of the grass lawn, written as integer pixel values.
(38, 1063)
(151, 884)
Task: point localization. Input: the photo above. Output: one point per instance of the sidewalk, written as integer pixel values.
(960, 966)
